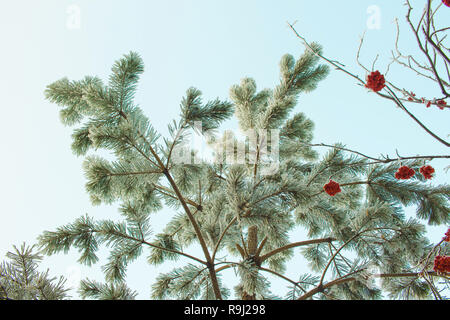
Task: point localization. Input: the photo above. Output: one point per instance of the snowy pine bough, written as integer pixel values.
(20, 278)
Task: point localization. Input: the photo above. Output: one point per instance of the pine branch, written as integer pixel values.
(345, 244)
(189, 214)
(283, 277)
(294, 245)
(345, 279)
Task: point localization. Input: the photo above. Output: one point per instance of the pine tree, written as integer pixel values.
(20, 279)
(242, 212)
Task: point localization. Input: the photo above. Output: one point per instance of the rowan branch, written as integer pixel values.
(392, 96)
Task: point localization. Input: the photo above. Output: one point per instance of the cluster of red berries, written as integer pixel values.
(332, 188)
(447, 236)
(411, 96)
(427, 172)
(442, 264)
(446, 2)
(375, 81)
(406, 172)
(441, 104)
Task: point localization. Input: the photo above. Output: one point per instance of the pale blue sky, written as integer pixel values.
(207, 44)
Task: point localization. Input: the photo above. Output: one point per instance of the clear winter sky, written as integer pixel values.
(207, 44)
